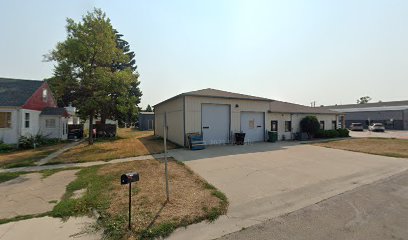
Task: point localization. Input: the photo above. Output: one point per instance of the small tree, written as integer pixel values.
(363, 100)
(149, 108)
(309, 125)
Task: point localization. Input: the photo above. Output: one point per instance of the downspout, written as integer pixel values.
(291, 126)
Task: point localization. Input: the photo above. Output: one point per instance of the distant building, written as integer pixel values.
(146, 121)
(394, 115)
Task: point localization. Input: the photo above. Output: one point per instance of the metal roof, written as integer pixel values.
(16, 92)
(275, 106)
(369, 105)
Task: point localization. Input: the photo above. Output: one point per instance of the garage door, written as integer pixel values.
(252, 124)
(215, 123)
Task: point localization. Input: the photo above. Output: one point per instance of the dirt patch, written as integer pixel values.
(191, 198)
(130, 143)
(378, 146)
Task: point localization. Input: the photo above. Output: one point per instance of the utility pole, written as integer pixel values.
(165, 157)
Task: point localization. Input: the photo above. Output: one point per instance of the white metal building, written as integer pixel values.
(217, 115)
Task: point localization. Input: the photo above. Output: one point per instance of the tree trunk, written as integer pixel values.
(90, 139)
(103, 119)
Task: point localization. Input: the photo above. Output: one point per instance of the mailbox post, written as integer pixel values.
(128, 178)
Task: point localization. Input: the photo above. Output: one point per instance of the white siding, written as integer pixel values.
(10, 135)
(193, 111)
(175, 120)
(53, 132)
(34, 127)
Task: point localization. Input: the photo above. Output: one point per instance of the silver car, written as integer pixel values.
(376, 127)
(356, 127)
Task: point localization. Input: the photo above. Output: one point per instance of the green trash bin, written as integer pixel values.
(272, 136)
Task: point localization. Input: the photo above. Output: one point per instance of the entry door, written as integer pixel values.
(252, 124)
(215, 123)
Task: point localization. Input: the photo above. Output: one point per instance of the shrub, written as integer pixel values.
(309, 125)
(343, 132)
(31, 141)
(5, 147)
(332, 133)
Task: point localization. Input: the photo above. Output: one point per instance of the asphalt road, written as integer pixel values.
(374, 211)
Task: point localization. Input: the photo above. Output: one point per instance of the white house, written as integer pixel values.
(27, 107)
(217, 115)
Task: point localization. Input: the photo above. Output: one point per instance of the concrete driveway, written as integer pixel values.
(266, 180)
(399, 134)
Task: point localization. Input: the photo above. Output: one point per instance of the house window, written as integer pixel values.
(27, 120)
(334, 124)
(288, 126)
(322, 125)
(45, 95)
(50, 123)
(5, 119)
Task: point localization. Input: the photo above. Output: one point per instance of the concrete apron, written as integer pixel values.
(278, 181)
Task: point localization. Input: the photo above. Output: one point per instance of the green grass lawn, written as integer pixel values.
(24, 158)
(379, 146)
(191, 199)
(129, 143)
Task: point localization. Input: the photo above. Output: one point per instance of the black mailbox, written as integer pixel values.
(128, 178)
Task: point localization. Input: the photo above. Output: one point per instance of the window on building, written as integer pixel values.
(45, 95)
(322, 125)
(334, 124)
(288, 126)
(50, 123)
(5, 119)
(27, 120)
(274, 126)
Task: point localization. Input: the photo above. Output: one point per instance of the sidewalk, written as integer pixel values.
(57, 153)
(84, 164)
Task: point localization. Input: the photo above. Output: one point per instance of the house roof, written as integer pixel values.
(16, 92)
(147, 113)
(275, 106)
(50, 111)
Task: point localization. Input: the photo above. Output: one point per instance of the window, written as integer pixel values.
(50, 123)
(251, 124)
(27, 120)
(274, 126)
(45, 95)
(5, 119)
(288, 126)
(322, 125)
(334, 124)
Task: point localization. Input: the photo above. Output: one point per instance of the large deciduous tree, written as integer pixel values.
(94, 71)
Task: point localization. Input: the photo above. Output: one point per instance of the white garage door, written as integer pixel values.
(215, 123)
(252, 124)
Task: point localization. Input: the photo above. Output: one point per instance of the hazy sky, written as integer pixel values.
(297, 51)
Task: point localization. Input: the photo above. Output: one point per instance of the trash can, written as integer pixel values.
(239, 138)
(272, 136)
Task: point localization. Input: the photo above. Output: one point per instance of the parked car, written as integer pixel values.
(376, 127)
(356, 127)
